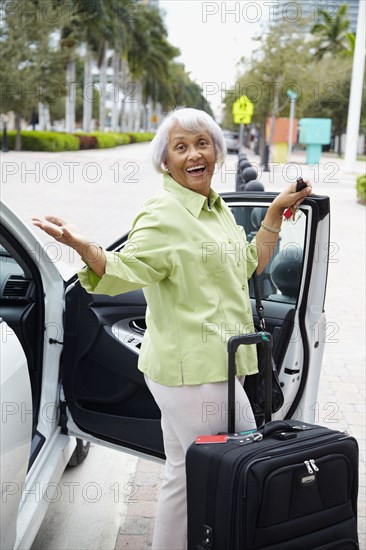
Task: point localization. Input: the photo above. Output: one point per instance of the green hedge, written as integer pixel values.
(111, 139)
(139, 137)
(60, 141)
(361, 189)
(44, 141)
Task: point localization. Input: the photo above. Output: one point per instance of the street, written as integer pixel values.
(100, 192)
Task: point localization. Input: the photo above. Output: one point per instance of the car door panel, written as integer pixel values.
(106, 394)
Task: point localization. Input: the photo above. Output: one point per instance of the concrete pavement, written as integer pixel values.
(91, 504)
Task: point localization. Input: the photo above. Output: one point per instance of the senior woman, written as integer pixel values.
(193, 262)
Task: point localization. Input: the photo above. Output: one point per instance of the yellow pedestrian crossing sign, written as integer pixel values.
(243, 110)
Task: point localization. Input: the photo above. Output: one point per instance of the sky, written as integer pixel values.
(212, 37)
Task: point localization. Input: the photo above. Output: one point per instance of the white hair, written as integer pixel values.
(192, 120)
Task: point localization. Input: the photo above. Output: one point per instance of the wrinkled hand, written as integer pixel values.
(60, 230)
(289, 197)
(65, 233)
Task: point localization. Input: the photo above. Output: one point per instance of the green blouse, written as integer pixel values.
(193, 262)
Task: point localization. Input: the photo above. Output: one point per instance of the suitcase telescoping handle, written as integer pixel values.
(262, 338)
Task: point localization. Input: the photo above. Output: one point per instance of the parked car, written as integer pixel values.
(232, 141)
(69, 359)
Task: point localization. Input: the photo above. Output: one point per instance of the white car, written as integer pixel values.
(232, 141)
(69, 359)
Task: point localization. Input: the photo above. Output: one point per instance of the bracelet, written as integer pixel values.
(270, 229)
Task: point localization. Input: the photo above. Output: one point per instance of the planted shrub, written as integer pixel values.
(111, 139)
(61, 141)
(361, 189)
(10, 138)
(44, 141)
(139, 137)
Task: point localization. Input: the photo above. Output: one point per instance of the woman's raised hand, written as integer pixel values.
(60, 230)
(65, 233)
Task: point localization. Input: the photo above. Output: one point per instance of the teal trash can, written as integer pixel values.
(314, 132)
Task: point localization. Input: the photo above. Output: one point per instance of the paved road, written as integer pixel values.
(101, 191)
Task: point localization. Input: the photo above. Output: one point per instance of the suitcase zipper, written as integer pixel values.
(311, 466)
(288, 447)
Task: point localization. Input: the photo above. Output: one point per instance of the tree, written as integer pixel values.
(111, 30)
(57, 108)
(330, 97)
(183, 91)
(149, 54)
(30, 66)
(281, 62)
(332, 34)
(70, 30)
(323, 85)
(80, 30)
(55, 45)
(95, 27)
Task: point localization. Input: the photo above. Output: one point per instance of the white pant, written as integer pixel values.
(188, 411)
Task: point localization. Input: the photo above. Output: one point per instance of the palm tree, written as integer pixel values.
(97, 26)
(183, 91)
(70, 40)
(30, 61)
(333, 35)
(87, 90)
(149, 55)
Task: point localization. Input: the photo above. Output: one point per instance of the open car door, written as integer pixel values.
(106, 398)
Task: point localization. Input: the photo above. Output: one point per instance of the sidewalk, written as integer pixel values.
(137, 529)
(342, 396)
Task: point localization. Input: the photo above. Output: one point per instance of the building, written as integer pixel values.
(310, 9)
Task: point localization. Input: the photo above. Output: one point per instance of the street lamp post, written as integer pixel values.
(354, 109)
(293, 96)
(4, 141)
(241, 135)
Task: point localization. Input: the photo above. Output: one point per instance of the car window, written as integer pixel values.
(232, 135)
(281, 278)
(9, 267)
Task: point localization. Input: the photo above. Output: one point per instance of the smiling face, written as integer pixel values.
(191, 158)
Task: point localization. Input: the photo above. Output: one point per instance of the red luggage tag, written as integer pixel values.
(288, 213)
(201, 439)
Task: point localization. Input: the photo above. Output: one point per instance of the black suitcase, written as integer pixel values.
(288, 486)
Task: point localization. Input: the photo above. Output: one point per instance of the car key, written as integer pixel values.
(300, 185)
